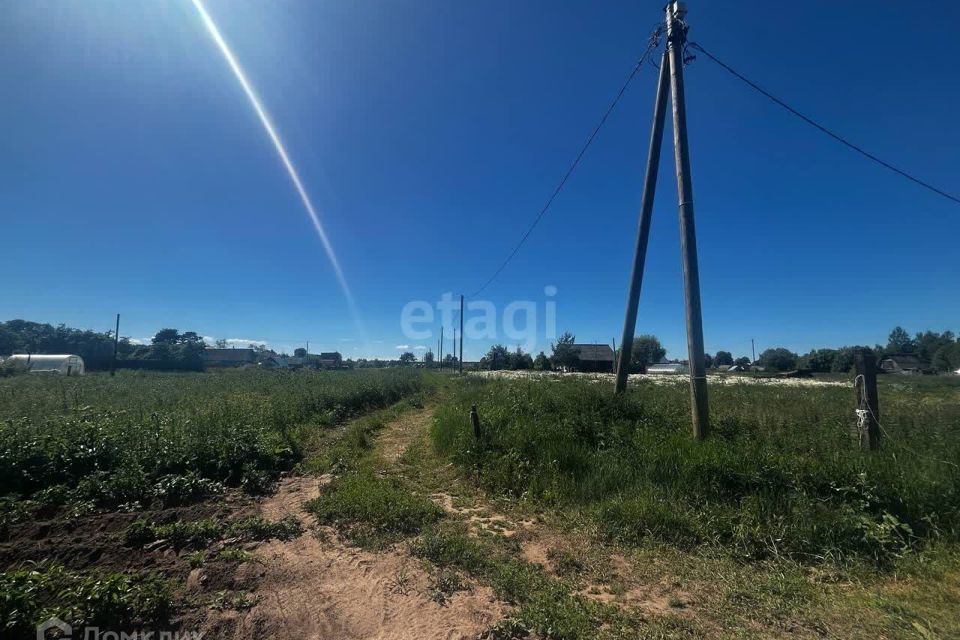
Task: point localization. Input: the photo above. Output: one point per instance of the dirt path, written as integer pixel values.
(318, 587)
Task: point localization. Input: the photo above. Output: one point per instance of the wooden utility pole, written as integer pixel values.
(461, 334)
(441, 347)
(643, 228)
(753, 352)
(868, 399)
(671, 81)
(676, 39)
(116, 345)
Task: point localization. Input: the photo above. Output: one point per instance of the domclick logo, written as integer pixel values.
(57, 628)
(518, 323)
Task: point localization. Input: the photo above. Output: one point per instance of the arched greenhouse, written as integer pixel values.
(68, 365)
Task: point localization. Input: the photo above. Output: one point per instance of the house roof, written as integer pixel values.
(594, 352)
(230, 355)
(667, 366)
(906, 361)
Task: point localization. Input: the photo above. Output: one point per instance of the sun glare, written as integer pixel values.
(282, 152)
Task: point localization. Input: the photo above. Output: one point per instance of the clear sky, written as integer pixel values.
(136, 178)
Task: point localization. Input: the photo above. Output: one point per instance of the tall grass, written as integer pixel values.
(115, 438)
(780, 475)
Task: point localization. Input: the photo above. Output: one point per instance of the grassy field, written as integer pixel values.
(781, 474)
(776, 525)
(93, 466)
(127, 439)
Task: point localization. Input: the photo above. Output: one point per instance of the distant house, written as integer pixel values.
(229, 357)
(667, 367)
(594, 357)
(274, 362)
(903, 363)
(331, 359)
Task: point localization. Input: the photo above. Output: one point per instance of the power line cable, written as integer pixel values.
(654, 41)
(817, 125)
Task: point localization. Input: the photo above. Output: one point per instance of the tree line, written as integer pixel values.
(936, 351)
(96, 347)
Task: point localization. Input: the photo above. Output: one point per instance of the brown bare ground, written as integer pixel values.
(317, 587)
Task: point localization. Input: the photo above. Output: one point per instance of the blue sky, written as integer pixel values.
(137, 179)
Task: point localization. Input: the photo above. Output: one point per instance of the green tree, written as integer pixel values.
(708, 361)
(947, 358)
(565, 356)
(166, 336)
(742, 361)
(8, 341)
(928, 343)
(646, 351)
(818, 360)
(843, 360)
(542, 362)
(428, 357)
(778, 359)
(497, 358)
(723, 359)
(407, 358)
(899, 341)
(300, 352)
(520, 360)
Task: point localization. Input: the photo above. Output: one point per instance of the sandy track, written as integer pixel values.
(316, 587)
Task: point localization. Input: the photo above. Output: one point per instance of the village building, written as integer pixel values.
(66, 364)
(594, 357)
(904, 363)
(667, 367)
(229, 357)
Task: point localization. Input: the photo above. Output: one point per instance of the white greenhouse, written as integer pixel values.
(68, 365)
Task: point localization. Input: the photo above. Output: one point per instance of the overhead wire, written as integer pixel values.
(836, 136)
(651, 45)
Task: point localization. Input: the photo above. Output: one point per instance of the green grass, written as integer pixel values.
(372, 510)
(781, 475)
(545, 606)
(144, 436)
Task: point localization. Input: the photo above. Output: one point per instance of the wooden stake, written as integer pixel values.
(475, 422)
(868, 399)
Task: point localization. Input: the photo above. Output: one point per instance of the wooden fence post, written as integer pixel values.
(868, 400)
(475, 421)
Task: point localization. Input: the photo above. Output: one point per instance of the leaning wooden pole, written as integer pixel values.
(643, 227)
(116, 345)
(676, 39)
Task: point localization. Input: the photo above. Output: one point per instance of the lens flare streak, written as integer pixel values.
(282, 152)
